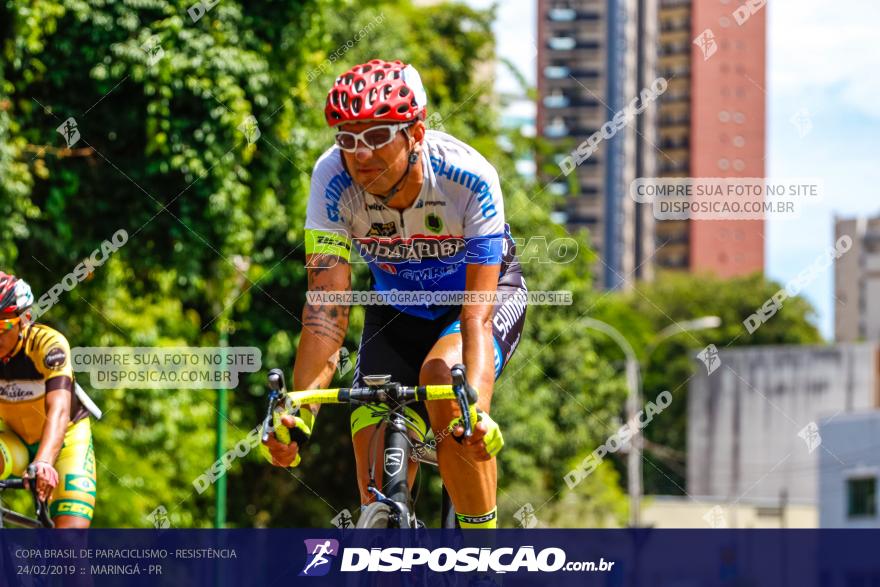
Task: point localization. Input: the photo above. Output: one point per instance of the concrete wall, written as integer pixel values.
(665, 511)
(744, 420)
(852, 450)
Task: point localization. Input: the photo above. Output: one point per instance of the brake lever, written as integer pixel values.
(39, 506)
(466, 397)
(276, 396)
(268, 423)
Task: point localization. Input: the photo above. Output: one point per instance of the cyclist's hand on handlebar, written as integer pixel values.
(46, 480)
(283, 451)
(486, 440)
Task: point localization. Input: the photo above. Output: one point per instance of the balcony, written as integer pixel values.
(556, 72)
(556, 101)
(558, 188)
(562, 43)
(556, 129)
(562, 14)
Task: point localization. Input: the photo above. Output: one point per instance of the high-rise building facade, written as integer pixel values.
(589, 67)
(727, 127)
(711, 124)
(594, 57)
(857, 281)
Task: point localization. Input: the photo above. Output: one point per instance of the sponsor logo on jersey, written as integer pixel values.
(375, 207)
(333, 193)
(472, 181)
(55, 359)
(412, 250)
(382, 229)
(13, 392)
(433, 223)
(428, 273)
(509, 313)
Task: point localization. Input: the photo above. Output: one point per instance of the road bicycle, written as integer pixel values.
(394, 507)
(7, 516)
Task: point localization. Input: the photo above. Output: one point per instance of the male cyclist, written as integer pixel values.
(425, 211)
(44, 414)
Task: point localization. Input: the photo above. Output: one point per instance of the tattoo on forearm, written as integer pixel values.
(328, 322)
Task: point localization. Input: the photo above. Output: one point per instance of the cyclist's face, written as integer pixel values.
(9, 329)
(378, 170)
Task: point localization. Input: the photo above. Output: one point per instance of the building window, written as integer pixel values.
(556, 71)
(556, 129)
(558, 188)
(556, 100)
(562, 14)
(724, 116)
(559, 217)
(561, 43)
(861, 497)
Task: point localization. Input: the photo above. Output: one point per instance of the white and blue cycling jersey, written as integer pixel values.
(457, 219)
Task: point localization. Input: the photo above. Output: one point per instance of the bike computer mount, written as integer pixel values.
(376, 380)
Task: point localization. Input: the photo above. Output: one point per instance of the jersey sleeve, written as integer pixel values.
(50, 354)
(484, 221)
(327, 229)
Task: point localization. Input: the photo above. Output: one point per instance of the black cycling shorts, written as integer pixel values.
(397, 343)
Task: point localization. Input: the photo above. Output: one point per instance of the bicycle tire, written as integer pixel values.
(376, 515)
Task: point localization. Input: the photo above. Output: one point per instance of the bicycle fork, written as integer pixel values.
(395, 468)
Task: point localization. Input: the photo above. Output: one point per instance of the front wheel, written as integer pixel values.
(375, 515)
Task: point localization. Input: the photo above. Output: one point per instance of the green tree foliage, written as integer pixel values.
(159, 101)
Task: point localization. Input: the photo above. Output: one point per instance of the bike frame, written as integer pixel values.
(395, 464)
(398, 445)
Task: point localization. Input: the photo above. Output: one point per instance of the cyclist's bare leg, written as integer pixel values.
(361, 442)
(471, 484)
(70, 522)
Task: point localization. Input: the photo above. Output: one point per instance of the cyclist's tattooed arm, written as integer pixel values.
(324, 325)
(477, 349)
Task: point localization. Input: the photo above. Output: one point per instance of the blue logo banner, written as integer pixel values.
(655, 558)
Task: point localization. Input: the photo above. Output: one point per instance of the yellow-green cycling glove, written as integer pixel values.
(304, 424)
(494, 440)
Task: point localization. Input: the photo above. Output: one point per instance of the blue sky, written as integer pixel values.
(823, 59)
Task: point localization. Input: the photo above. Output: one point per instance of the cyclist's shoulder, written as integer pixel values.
(47, 348)
(454, 160)
(330, 170)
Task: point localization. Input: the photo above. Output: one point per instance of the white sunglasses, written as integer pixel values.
(374, 138)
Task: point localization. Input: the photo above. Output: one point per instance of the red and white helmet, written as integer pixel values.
(377, 90)
(15, 294)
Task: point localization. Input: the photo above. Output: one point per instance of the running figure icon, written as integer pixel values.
(320, 551)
